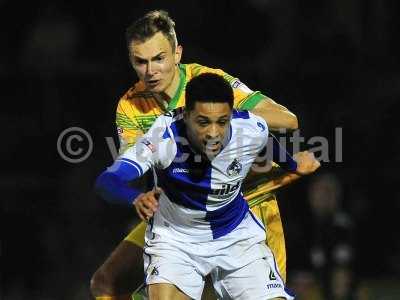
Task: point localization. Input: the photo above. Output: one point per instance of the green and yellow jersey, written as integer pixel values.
(138, 108)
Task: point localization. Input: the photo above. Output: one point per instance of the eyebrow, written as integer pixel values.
(152, 58)
(206, 118)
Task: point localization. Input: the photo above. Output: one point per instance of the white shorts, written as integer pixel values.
(240, 264)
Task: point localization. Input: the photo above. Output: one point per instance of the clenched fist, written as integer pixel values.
(306, 162)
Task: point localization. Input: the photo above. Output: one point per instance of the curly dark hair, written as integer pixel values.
(208, 87)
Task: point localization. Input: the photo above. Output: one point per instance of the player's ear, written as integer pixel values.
(178, 54)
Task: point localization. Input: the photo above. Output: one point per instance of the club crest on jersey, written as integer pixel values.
(234, 168)
(149, 145)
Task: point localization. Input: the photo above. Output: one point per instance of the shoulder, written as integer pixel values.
(175, 114)
(240, 114)
(168, 123)
(135, 96)
(174, 122)
(195, 69)
(249, 121)
(137, 90)
(162, 122)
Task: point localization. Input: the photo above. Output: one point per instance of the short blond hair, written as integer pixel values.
(148, 25)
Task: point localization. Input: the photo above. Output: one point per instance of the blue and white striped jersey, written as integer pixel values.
(201, 199)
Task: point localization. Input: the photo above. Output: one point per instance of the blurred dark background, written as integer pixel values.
(333, 63)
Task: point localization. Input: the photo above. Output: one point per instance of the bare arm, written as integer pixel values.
(277, 177)
(264, 181)
(277, 116)
(271, 185)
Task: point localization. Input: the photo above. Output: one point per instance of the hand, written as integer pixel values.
(146, 204)
(306, 162)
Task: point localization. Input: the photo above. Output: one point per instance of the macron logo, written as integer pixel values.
(274, 285)
(180, 170)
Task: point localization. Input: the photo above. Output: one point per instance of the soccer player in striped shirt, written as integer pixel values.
(155, 56)
(200, 156)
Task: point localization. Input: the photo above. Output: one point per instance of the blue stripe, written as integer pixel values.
(190, 186)
(166, 134)
(289, 292)
(124, 170)
(240, 114)
(189, 189)
(178, 128)
(183, 188)
(280, 155)
(134, 163)
(255, 219)
(112, 188)
(228, 217)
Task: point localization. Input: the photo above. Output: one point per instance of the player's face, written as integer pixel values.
(207, 125)
(155, 63)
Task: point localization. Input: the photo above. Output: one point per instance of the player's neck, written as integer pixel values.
(172, 88)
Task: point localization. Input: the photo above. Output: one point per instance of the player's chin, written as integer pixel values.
(155, 88)
(211, 153)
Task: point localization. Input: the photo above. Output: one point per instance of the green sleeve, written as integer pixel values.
(251, 101)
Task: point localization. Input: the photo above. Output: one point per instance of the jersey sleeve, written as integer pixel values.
(128, 129)
(244, 97)
(271, 147)
(148, 151)
(151, 148)
(261, 127)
